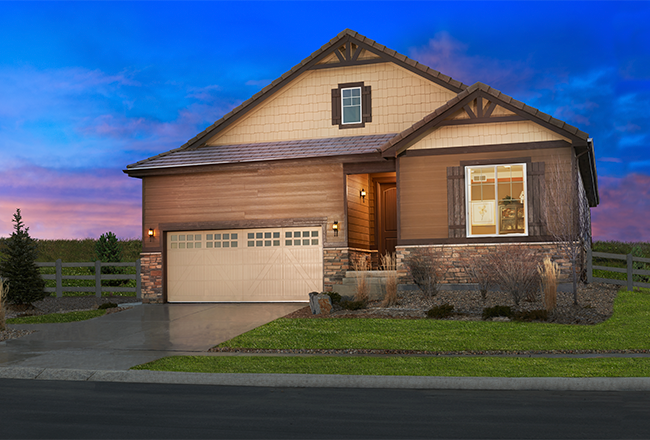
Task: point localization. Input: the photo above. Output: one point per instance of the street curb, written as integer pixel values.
(335, 381)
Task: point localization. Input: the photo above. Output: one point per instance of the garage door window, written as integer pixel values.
(225, 240)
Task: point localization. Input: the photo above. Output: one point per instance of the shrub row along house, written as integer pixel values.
(356, 151)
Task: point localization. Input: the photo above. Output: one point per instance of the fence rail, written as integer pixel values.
(630, 271)
(98, 277)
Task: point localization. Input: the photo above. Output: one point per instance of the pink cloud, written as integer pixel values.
(624, 209)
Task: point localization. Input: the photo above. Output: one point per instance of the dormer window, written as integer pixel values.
(351, 105)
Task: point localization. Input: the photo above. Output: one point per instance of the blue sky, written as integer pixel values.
(87, 88)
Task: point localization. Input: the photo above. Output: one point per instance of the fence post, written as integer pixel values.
(138, 280)
(59, 278)
(98, 279)
(630, 269)
(590, 266)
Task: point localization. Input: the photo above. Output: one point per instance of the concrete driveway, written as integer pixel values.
(138, 335)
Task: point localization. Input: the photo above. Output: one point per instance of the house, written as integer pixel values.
(354, 152)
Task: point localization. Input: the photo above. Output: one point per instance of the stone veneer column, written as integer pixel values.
(336, 261)
(152, 277)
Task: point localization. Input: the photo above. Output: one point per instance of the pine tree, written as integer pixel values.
(18, 266)
(108, 250)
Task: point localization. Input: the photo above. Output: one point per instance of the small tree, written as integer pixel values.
(515, 271)
(108, 250)
(18, 266)
(2, 304)
(568, 217)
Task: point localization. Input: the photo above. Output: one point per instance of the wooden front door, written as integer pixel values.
(386, 216)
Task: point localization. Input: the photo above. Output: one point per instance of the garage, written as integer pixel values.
(244, 265)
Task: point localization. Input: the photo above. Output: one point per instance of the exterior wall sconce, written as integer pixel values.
(150, 234)
(335, 227)
(362, 193)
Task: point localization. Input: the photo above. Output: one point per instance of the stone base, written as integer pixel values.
(152, 277)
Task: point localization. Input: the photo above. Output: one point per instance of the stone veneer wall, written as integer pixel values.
(454, 258)
(152, 277)
(337, 261)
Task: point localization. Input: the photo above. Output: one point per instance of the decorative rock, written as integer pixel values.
(320, 303)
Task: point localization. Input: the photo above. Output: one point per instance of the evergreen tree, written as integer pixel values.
(18, 266)
(108, 250)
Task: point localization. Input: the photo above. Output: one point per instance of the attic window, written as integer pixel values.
(351, 105)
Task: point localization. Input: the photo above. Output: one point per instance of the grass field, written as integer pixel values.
(55, 318)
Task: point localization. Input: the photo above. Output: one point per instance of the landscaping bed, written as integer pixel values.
(595, 305)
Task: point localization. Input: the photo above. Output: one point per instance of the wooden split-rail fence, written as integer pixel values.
(630, 271)
(98, 277)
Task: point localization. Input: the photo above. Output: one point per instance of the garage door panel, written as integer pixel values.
(244, 265)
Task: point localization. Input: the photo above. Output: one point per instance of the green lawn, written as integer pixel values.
(54, 318)
(626, 329)
(408, 366)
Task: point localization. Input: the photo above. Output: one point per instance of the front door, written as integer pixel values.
(386, 216)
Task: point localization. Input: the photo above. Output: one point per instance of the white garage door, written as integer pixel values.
(279, 264)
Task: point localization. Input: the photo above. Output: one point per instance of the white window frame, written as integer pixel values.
(468, 177)
(360, 121)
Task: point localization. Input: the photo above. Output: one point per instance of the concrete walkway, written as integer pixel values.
(142, 334)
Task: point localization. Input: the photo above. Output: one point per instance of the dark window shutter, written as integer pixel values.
(456, 202)
(367, 104)
(536, 198)
(336, 106)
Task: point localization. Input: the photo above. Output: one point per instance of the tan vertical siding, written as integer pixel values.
(423, 187)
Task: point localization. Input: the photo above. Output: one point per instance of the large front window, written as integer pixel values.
(496, 200)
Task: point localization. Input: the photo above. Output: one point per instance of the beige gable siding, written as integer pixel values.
(303, 109)
(486, 134)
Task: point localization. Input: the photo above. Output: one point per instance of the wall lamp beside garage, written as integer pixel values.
(362, 193)
(335, 227)
(151, 234)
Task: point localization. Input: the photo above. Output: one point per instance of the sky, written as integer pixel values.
(89, 87)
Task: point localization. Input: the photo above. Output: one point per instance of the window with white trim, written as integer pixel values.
(496, 200)
(351, 105)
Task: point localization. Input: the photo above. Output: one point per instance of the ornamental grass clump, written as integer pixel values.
(362, 291)
(549, 272)
(389, 264)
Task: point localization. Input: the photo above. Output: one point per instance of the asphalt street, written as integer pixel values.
(67, 409)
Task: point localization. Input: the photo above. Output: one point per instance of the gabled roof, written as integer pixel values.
(580, 140)
(344, 38)
(223, 154)
(433, 120)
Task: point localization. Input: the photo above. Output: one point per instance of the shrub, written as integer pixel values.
(440, 312)
(532, 315)
(18, 266)
(389, 264)
(108, 250)
(2, 304)
(480, 269)
(549, 273)
(424, 270)
(353, 305)
(362, 292)
(108, 305)
(334, 297)
(515, 271)
(496, 311)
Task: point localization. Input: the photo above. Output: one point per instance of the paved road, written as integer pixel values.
(53, 409)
